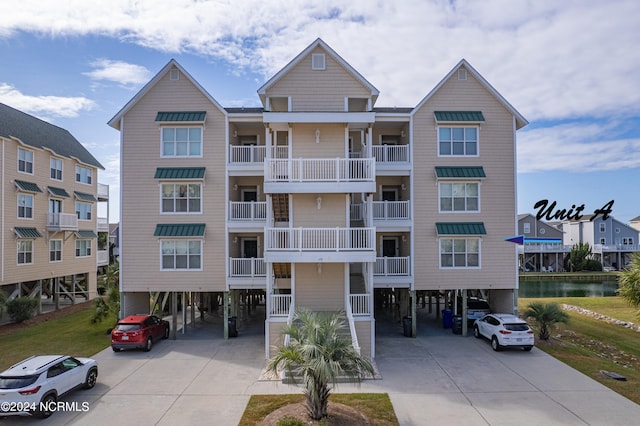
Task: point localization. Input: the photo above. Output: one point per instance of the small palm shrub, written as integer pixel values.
(21, 309)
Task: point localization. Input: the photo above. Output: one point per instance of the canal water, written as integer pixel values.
(561, 288)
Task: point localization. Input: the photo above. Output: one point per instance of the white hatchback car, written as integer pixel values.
(34, 385)
(504, 330)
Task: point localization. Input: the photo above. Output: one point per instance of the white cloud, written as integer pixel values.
(128, 75)
(45, 107)
(577, 147)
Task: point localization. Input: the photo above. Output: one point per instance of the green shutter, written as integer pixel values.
(460, 228)
(181, 116)
(27, 186)
(179, 173)
(85, 197)
(30, 233)
(459, 116)
(57, 192)
(180, 230)
(475, 172)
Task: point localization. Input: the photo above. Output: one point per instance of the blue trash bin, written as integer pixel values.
(447, 318)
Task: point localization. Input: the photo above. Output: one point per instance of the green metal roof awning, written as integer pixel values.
(459, 116)
(27, 232)
(85, 233)
(474, 172)
(460, 228)
(85, 197)
(180, 173)
(57, 192)
(184, 116)
(180, 230)
(27, 186)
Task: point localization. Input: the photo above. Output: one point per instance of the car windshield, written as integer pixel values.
(127, 327)
(17, 382)
(516, 327)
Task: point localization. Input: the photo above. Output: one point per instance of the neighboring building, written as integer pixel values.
(542, 249)
(612, 241)
(318, 199)
(635, 223)
(48, 204)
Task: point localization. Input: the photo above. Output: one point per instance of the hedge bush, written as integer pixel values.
(21, 308)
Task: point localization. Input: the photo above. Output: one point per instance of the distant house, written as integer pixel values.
(540, 253)
(51, 240)
(635, 223)
(114, 241)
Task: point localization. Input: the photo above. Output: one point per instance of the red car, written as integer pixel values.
(138, 331)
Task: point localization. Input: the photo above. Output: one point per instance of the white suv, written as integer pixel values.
(34, 385)
(504, 330)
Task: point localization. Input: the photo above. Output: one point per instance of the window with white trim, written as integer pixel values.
(527, 227)
(603, 227)
(83, 211)
(56, 168)
(84, 175)
(25, 252)
(55, 250)
(459, 253)
(627, 241)
(181, 142)
(458, 141)
(318, 61)
(181, 254)
(459, 196)
(25, 206)
(181, 198)
(603, 241)
(83, 247)
(25, 161)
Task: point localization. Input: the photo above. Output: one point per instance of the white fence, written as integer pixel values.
(247, 267)
(248, 211)
(320, 170)
(392, 266)
(313, 239)
(250, 154)
(391, 210)
(62, 221)
(280, 305)
(391, 153)
(360, 304)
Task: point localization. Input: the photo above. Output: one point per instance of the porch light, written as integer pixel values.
(235, 186)
(319, 266)
(319, 202)
(317, 135)
(235, 240)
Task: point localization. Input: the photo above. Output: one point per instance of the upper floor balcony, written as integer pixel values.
(390, 271)
(62, 222)
(320, 245)
(247, 214)
(247, 272)
(103, 224)
(249, 159)
(320, 175)
(391, 213)
(392, 159)
(103, 192)
(102, 258)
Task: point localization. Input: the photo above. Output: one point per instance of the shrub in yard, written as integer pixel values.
(21, 308)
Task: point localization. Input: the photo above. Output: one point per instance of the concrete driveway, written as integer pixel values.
(438, 379)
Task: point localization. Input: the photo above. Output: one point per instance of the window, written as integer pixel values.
(603, 241)
(56, 168)
(318, 61)
(459, 197)
(25, 206)
(83, 211)
(459, 253)
(181, 254)
(181, 198)
(458, 141)
(25, 252)
(603, 227)
(25, 161)
(627, 241)
(83, 248)
(527, 228)
(83, 175)
(182, 141)
(55, 250)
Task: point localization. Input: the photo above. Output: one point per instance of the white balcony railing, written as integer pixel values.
(248, 211)
(360, 304)
(320, 239)
(599, 248)
(103, 191)
(391, 210)
(320, 170)
(391, 153)
(62, 221)
(102, 257)
(247, 267)
(251, 154)
(103, 224)
(280, 305)
(392, 266)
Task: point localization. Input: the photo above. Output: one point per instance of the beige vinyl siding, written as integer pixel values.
(331, 145)
(326, 93)
(497, 192)
(332, 212)
(42, 268)
(322, 291)
(363, 331)
(141, 197)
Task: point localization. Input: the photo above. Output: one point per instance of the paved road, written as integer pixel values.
(437, 379)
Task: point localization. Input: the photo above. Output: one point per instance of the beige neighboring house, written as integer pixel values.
(318, 199)
(49, 196)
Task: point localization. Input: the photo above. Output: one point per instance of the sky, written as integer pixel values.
(571, 68)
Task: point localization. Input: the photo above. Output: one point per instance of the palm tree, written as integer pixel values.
(321, 353)
(629, 281)
(104, 306)
(546, 315)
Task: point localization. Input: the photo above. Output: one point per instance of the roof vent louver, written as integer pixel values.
(462, 74)
(318, 61)
(174, 74)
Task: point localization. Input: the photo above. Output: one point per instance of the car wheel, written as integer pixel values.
(527, 348)
(166, 333)
(494, 344)
(149, 344)
(47, 402)
(92, 377)
(115, 349)
(476, 332)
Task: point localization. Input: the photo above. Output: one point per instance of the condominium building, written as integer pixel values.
(318, 199)
(49, 196)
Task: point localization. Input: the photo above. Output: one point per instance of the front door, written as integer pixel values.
(389, 246)
(249, 248)
(249, 194)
